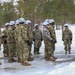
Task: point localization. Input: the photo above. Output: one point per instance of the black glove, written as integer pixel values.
(54, 41)
(71, 39)
(5, 41)
(4, 36)
(62, 39)
(41, 39)
(28, 43)
(33, 39)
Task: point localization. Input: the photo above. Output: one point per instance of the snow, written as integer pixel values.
(64, 65)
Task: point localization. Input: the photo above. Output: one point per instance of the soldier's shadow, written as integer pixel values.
(65, 60)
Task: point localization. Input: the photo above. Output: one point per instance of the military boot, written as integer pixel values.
(5, 55)
(65, 52)
(30, 59)
(26, 64)
(11, 60)
(69, 52)
(52, 59)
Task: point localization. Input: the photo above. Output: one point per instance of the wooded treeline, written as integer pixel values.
(63, 11)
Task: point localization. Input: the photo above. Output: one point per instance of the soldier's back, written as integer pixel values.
(11, 35)
(37, 34)
(52, 32)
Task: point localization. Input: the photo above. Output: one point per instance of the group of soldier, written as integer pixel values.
(18, 37)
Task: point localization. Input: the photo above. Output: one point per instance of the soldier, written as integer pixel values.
(16, 40)
(37, 38)
(11, 42)
(48, 42)
(30, 37)
(53, 36)
(0, 42)
(23, 42)
(4, 39)
(67, 38)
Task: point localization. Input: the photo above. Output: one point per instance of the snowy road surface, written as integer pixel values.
(64, 65)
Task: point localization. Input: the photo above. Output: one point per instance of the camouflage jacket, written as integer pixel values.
(52, 32)
(37, 34)
(10, 34)
(4, 34)
(67, 34)
(21, 33)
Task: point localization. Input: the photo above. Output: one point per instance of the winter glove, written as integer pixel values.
(41, 39)
(5, 41)
(62, 39)
(71, 39)
(33, 39)
(54, 41)
(4, 36)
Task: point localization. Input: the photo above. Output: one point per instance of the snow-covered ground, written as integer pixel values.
(64, 65)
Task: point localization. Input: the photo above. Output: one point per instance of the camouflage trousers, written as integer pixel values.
(23, 51)
(5, 49)
(37, 45)
(30, 49)
(53, 47)
(17, 53)
(67, 45)
(48, 49)
(12, 49)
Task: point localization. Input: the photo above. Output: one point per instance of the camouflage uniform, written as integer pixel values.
(11, 42)
(67, 38)
(37, 38)
(30, 37)
(48, 43)
(4, 39)
(16, 40)
(53, 36)
(22, 40)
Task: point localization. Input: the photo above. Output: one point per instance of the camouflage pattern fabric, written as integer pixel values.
(30, 37)
(48, 49)
(47, 42)
(11, 42)
(37, 37)
(22, 45)
(4, 39)
(67, 37)
(53, 36)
